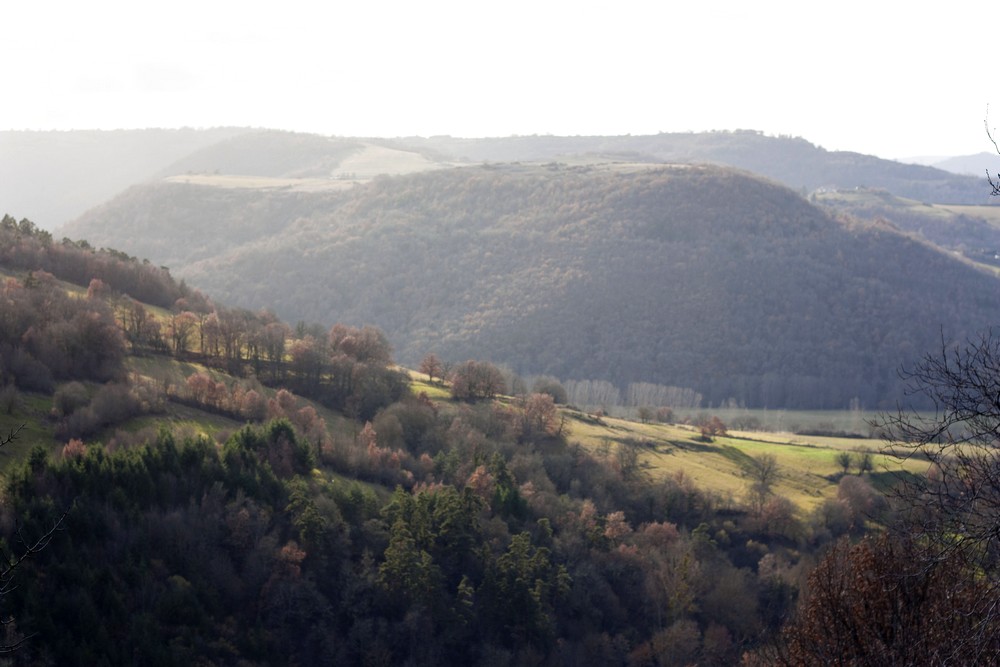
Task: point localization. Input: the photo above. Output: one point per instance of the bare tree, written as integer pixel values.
(957, 503)
(994, 182)
(875, 603)
(864, 461)
(953, 511)
(763, 472)
(432, 367)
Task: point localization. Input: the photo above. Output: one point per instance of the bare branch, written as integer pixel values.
(954, 508)
(994, 184)
(11, 436)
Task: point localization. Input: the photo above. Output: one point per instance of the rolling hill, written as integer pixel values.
(790, 160)
(53, 177)
(689, 276)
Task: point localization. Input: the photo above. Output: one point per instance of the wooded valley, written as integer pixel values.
(373, 424)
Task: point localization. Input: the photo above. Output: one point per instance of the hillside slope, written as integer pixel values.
(696, 277)
(53, 177)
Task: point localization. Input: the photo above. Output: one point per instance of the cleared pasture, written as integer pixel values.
(808, 471)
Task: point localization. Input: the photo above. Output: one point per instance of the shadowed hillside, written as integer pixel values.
(695, 277)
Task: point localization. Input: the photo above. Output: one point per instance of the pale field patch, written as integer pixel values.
(233, 181)
(990, 214)
(373, 160)
(807, 467)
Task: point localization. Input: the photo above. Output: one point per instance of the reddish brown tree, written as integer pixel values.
(538, 417)
(431, 367)
(475, 380)
(180, 330)
(881, 602)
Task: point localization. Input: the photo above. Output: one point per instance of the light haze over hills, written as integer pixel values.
(625, 259)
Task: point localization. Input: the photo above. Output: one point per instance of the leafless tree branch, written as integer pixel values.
(994, 182)
(952, 513)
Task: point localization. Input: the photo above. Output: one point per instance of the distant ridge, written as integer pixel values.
(973, 165)
(53, 177)
(792, 161)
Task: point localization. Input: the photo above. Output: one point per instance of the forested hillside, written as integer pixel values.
(53, 177)
(417, 530)
(209, 485)
(259, 483)
(971, 231)
(696, 277)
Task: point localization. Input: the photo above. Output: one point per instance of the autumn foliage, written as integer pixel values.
(882, 602)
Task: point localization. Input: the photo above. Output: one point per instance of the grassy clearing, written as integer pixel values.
(436, 391)
(990, 214)
(373, 160)
(31, 431)
(231, 181)
(369, 161)
(808, 471)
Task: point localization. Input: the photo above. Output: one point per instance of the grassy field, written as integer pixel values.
(262, 182)
(808, 471)
(361, 166)
(373, 160)
(990, 214)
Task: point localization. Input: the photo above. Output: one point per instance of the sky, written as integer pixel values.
(887, 78)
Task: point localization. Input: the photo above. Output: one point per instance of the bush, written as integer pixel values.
(551, 386)
(10, 399)
(69, 398)
(475, 380)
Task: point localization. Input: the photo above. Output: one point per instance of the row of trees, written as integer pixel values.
(47, 335)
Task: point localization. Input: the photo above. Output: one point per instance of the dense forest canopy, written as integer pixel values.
(687, 276)
(461, 532)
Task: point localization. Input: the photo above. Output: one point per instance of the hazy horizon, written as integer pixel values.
(885, 79)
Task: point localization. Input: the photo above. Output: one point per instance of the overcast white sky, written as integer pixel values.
(894, 79)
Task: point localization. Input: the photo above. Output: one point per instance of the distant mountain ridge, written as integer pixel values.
(53, 177)
(691, 276)
(792, 161)
(973, 165)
